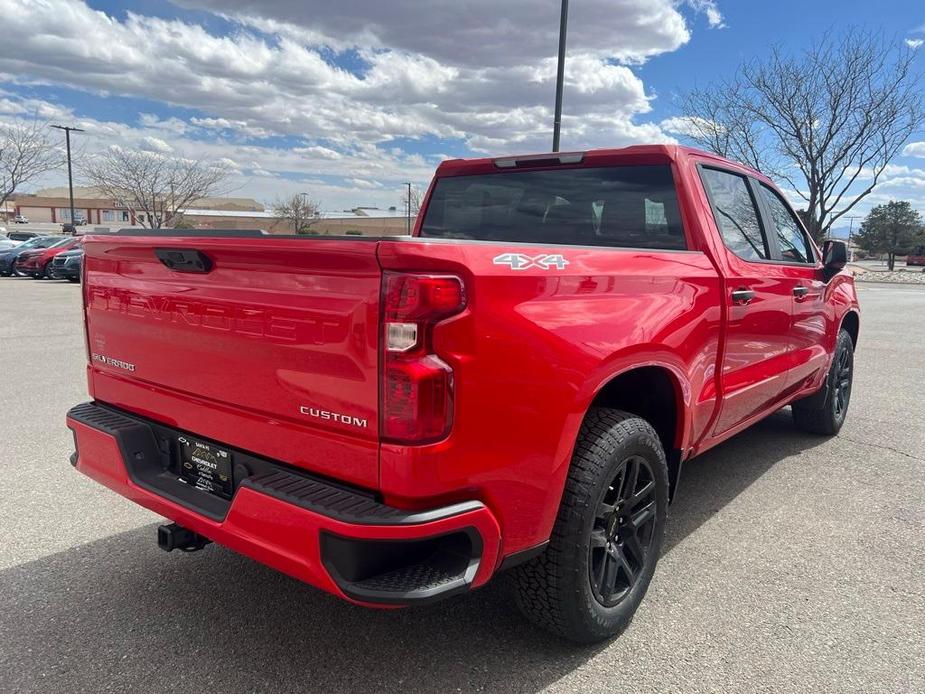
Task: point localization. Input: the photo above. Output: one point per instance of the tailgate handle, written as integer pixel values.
(182, 260)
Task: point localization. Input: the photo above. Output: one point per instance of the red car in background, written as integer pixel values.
(37, 263)
(917, 257)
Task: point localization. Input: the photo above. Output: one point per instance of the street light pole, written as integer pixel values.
(70, 175)
(560, 75)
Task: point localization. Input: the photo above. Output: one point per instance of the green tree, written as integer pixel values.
(893, 228)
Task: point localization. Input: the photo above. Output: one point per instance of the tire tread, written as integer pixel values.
(540, 585)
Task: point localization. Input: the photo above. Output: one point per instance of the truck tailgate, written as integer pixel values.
(272, 347)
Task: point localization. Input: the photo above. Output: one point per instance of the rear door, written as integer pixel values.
(271, 346)
(756, 357)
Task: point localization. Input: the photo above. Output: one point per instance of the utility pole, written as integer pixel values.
(560, 75)
(70, 175)
(409, 208)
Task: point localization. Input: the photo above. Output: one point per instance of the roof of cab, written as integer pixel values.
(592, 157)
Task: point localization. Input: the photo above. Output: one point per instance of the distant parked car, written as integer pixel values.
(37, 263)
(66, 265)
(69, 229)
(22, 235)
(79, 220)
(21, 219)
(917, 257)
(8, 258)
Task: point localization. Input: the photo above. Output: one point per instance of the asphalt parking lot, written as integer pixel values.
(792, 564)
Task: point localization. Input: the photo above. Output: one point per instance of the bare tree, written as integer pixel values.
(827, 121)
(416, 197)
(154, 187)
(26, 152)
(299, 211)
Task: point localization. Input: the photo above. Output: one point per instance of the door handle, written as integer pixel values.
(742, 296)
(800, 292)
(183, 260)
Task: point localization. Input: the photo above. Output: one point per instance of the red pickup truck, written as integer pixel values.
(515, 386)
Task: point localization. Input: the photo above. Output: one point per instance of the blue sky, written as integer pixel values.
(348, 100)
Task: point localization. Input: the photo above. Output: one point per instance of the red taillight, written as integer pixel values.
(421, 297)
(417, 386)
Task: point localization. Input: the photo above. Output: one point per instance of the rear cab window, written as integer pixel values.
(620, 206)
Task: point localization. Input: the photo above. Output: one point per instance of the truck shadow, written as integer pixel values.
(119, 614)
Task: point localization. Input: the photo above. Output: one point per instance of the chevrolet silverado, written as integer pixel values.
(513, 387)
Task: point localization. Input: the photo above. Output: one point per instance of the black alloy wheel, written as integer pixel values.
(622, 533)
(825, 412)
(844, 361)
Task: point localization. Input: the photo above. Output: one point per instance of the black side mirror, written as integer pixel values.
(834, 257)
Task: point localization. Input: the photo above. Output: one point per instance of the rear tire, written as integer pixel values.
(827, 418)
(608, 534)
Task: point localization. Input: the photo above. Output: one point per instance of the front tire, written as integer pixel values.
(827, 418)
(608, 534)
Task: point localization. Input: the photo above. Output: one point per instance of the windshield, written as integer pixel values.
(627, 206)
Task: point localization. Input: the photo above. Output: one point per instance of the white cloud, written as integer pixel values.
(711, 10)
(229, 164)
(914, 149)
(154, 144)
(474, 71)
(317, 151)
(364, 184)
(260, 171)
(240, 127)
(682, 125)
(915, 43)
(471, 33)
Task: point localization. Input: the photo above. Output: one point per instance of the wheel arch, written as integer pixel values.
(658, 393)
(851, 322)
(654, 393)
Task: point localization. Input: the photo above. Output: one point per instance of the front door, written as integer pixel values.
(802, 271)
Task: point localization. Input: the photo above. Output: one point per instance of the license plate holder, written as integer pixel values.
(205, 466)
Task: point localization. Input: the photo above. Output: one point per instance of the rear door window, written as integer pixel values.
(622, 206)
(736, 214)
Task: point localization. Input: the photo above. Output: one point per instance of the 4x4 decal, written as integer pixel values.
(520, 261)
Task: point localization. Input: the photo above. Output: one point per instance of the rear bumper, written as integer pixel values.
(336, 538)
